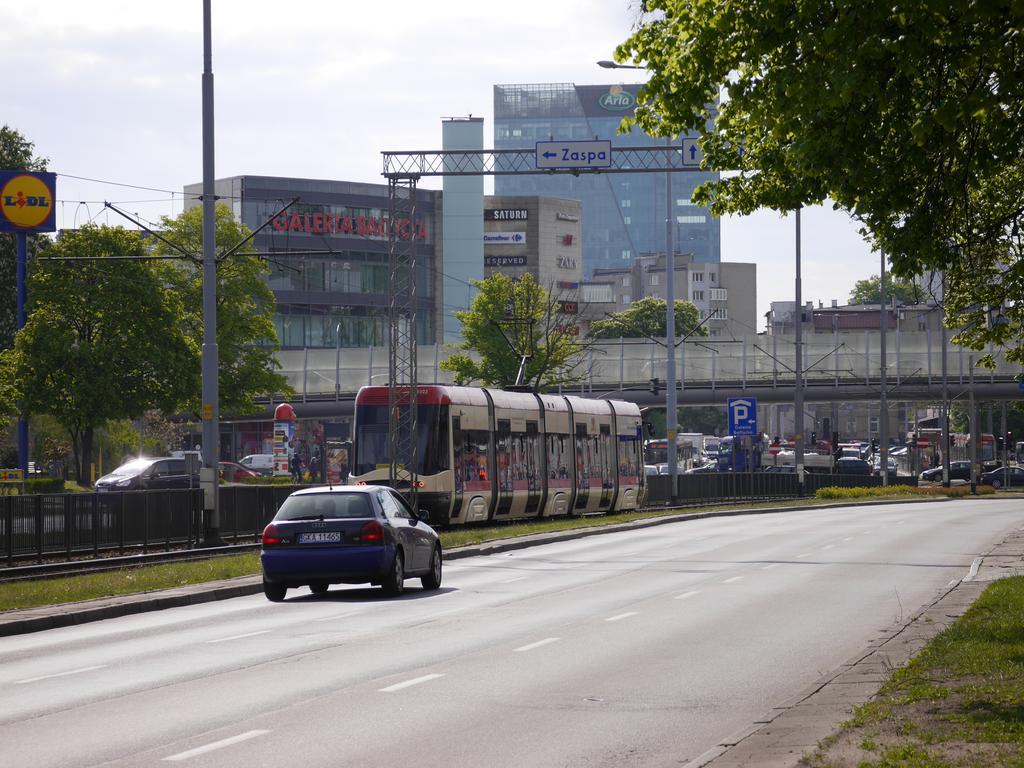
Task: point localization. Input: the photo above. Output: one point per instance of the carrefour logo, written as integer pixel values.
(618, 99)
(26, 202)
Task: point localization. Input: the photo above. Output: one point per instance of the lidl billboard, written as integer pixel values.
(27, 201)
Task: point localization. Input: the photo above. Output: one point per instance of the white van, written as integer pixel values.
(259, 462)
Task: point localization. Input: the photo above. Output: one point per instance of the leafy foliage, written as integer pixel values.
(246, 338)
(103, 339)
(907, 116)
(510, 318)
(902, 291)
(646, 318)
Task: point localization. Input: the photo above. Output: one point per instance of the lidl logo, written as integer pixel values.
(618, 99)
(26, 201)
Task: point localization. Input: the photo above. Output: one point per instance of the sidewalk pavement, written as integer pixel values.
(779, 739)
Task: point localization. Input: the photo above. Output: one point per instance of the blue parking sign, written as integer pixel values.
(742, 416)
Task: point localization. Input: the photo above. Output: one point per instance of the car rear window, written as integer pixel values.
(326, 505)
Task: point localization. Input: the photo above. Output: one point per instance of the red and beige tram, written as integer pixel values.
(486, 454)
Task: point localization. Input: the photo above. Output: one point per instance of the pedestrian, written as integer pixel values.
(296, 467)
(314, 468)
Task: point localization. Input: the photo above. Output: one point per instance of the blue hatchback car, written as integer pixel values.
(352, 534)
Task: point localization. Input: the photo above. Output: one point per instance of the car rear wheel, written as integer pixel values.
(433, 579)
(318, 587)
(997, 483)
(394, 582)
(275, 592)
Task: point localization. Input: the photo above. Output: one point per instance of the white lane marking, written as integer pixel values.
(805, 554)
(215, 745)
(974, 569)
(770, 566)
(409, 683)
(829, 546)
(538, 644)
(867, 532)
(334, 616)
(239, 637)
(900, 522)
(58, 674)
(621, 616)
(685, 595)
(848, 538)
(731, 580)
(517, 578)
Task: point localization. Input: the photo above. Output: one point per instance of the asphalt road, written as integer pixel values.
(640, 648)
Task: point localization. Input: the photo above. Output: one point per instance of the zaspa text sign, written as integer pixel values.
(554, 155)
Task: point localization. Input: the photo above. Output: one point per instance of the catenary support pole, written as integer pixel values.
(883, 405)
(671, 416)
(798, 389)
(211, 436)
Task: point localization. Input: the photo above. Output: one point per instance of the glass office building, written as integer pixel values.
(328, 256)
(623, 213)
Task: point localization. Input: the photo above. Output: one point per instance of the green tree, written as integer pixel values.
(905, 115)
(103, 339)
(901, 290)
(522, 313)
(16, 154)
(646, 318)
(246, 338)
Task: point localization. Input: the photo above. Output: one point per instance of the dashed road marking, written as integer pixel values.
(829, 546)
(621, 616)
(538, 644)
(239, 637)
(733, 579)
(770, 566)
(215, 745)
(685, 595)
(59, 674)
(517, 578)
(805, 554)
(410, 683)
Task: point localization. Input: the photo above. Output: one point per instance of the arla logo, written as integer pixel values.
(618, 99)
(26, 201)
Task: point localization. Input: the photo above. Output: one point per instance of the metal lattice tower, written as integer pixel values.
(402, 331)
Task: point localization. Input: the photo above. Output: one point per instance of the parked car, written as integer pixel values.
(1004, 477)
(651, 470)
(232, 471)
(148, 474)
(958, 470)
(260, 462)
(702, 470)
(779, 469)
(347, 535)
(876, 465)
(847, 465)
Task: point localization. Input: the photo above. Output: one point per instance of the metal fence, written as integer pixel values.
(48, 526)
(756, 486)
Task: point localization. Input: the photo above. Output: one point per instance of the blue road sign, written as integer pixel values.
(553, 155)
(693, 155)
(742, 416)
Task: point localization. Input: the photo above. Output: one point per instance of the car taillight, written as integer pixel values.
(270, 536)
(372, 533)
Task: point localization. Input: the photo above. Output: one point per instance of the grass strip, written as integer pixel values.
(145, 578)
(958, 704)
(893, 491)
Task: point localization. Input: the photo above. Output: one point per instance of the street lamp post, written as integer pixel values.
(671, 415)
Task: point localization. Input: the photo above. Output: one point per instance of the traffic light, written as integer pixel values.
(814, 439)
(655, 387)
(874, 445)
(836, 450)
(1009, 441)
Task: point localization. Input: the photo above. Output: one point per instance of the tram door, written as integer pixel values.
(583, 467)
(531, 452)
(606, 460)
(503, 459)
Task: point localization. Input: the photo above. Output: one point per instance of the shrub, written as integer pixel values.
(956, 491)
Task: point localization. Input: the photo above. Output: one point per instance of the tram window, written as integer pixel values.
(475, 465)
(583, 457)
(558, 456)
(458, 445)
(502, 450)
(531, 452)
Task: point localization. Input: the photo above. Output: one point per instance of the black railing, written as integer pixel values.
(68, 525)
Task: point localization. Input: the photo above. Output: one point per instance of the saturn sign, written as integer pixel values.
(27, 201)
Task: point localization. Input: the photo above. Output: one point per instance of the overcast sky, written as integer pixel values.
(110, 91)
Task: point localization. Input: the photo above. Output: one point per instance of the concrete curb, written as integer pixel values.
(70, 614)
(793, 728)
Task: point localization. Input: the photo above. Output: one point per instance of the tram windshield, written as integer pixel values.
(371, 439)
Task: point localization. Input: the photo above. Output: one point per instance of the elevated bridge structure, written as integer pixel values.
(840, 367)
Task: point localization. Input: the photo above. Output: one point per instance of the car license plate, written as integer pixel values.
(320, 537)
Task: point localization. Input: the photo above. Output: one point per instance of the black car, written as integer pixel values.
(148, 474)
(958, 470)
(847, 465)
(1004, 477)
